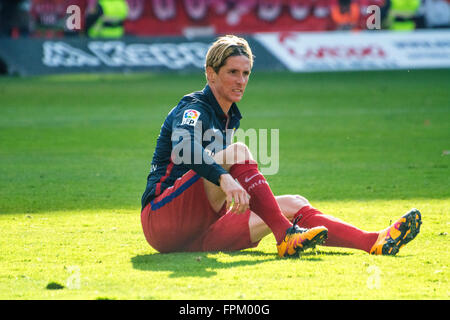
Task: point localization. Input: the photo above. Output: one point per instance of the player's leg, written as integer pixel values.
(229, 233)
(237, 159)
(237, 232)
(340, 233)
(289, 204)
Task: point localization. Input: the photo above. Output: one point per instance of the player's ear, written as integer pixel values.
(210, 74)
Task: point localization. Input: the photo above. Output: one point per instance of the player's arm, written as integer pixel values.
(187, 147)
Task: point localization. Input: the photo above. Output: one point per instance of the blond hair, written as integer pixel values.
(225, 47)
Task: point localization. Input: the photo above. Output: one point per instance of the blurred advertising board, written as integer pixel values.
(365, 50)
(129, 54)
(293, 51)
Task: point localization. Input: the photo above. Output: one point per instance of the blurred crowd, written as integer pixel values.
(115, 18)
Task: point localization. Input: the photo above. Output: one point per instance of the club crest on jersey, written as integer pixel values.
(190, 117)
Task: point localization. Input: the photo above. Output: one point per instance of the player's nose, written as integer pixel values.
(241, 79)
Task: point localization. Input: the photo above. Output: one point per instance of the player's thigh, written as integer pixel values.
(229, 233)
(216, 197)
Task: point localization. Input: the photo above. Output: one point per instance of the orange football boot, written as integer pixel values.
(398, 234)
(299, 239)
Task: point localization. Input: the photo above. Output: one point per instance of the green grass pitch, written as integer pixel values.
(364, 146)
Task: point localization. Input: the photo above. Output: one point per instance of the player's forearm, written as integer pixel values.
(192, 155)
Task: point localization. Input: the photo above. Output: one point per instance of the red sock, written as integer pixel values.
(262, 200)
(340, 234)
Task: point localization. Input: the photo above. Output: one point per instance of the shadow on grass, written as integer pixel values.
(196, 264)
(206, 264)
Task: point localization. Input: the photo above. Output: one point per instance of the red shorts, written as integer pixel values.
(181, 219)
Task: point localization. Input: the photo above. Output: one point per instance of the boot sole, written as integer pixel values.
(409, 230)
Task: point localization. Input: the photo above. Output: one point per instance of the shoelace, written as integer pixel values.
(297, 220)
(295, 224)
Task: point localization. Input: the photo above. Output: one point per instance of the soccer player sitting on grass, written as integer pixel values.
(203, 199)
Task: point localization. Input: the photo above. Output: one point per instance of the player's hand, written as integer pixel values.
(236, 196)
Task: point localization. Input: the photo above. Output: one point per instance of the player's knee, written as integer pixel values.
(237, 152)
(238, 148)
(291, 204)
(300, 201)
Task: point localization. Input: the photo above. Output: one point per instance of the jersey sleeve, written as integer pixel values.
(188, 127)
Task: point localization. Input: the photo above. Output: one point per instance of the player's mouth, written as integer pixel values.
(238, 94)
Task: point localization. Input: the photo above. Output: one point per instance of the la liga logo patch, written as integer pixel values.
(190, 117)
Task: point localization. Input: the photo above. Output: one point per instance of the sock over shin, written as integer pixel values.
(340, 233)
(262, 200)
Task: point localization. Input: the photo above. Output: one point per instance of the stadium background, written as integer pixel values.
(364, 129)
(301, 35)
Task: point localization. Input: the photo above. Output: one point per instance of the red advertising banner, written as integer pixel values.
(177, 17)
(201, 17)
(212, 17)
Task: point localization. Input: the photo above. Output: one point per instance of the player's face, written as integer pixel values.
(231, 80)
